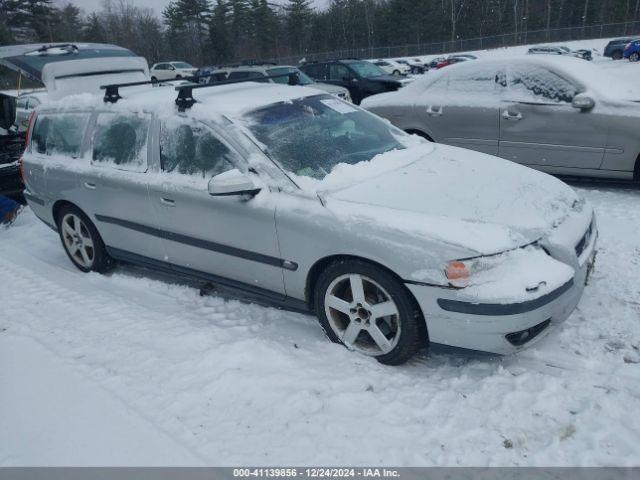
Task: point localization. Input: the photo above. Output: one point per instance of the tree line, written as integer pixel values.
(207, 32)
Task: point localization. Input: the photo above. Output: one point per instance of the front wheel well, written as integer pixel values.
(636, 170)
(320, 265)
(420, 133)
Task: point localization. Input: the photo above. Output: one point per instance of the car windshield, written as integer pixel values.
(312, 135)
(181, 65)
(304, 80)
(366, 69)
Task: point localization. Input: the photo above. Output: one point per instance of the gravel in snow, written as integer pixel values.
(212, 380)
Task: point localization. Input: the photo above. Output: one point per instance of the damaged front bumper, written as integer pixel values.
(504, 326)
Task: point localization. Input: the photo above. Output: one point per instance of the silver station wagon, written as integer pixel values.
(563, 116)
(298, 199)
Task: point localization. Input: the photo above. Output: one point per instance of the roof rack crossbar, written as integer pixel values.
(185, 92)
(112, 95)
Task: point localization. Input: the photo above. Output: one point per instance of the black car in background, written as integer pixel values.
(360, 77)
(11, 148)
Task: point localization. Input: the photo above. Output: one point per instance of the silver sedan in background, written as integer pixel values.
(560, 115)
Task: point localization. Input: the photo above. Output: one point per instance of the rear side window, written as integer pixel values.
(534, 83)
(477, 80)
(191, 148)
(120, 141)
(317, 71)
(59, 134)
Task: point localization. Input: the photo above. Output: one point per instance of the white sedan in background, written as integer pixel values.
(393, 67)
(172, 70)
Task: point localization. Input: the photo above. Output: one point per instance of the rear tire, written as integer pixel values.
(154, 79)
(617, 55)
(634, 57)
(367, 309)
(396, 72)
(81, 241)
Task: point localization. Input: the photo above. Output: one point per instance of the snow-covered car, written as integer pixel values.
(281, 71)
(560, 50)
(172, 71)
(307, 202)
(560, 115)
(393, 67)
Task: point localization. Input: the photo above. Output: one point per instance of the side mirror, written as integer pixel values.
(583, 102)
(232, 182)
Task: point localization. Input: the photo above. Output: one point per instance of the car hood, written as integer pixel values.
(478, 202)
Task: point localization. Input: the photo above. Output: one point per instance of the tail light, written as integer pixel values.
(32, 117)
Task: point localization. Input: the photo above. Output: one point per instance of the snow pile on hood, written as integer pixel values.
(477, 201)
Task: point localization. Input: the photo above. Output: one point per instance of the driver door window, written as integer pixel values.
(191, 148)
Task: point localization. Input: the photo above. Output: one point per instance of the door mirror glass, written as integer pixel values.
(583, 102)
(232, 182)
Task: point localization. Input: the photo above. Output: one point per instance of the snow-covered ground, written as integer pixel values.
(132, 369)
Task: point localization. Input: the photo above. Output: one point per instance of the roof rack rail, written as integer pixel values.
(112, 95)
(185, 99)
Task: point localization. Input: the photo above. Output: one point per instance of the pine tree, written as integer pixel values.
(93, 30)
(299, 15)
(68, 24)
(220, 42)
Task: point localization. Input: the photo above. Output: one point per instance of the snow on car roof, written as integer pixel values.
(232, 100)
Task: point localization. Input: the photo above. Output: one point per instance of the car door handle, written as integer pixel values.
(168, 202)
(89, 185)
(507, 115)
(434, 111)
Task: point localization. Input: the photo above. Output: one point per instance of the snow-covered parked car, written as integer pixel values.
(560, 115)
(307, 202)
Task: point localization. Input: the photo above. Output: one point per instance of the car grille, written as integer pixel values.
(584, 241)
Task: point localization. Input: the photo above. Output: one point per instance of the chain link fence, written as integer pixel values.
(478, 43)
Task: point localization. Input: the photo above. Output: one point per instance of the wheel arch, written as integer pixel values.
(317, 268)
(636, 170)
(58, 205)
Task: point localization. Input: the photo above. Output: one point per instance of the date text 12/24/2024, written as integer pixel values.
(315, 473)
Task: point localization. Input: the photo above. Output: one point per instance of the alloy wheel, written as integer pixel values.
(77, 240)
(362, 314)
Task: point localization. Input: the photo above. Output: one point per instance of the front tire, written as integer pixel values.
(634, 57)
(367, 309)
(617, 55)
(81, 241)
(396, 73)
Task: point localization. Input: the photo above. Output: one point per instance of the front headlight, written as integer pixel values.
(474, 271)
